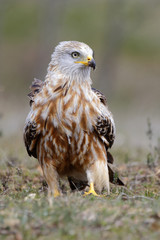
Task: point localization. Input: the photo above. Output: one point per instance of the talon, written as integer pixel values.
(91, 191)
(51, 197)
(56, 193)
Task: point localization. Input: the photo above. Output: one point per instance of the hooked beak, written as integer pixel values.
(90, 62)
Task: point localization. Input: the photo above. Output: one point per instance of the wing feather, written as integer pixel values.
(31, 132)
(100, 96)
(105, 125)
(31, 136)
(36, 87)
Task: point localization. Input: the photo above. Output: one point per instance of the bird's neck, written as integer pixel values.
(58, 76)
(61, 85)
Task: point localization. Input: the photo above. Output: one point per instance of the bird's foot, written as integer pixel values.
(51, 197)
(56, 193)
(91, 191)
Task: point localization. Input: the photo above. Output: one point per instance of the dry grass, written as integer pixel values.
(131, 212)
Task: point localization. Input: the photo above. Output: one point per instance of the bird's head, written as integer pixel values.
(73, 59)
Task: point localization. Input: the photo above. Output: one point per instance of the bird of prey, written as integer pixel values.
(69, 127)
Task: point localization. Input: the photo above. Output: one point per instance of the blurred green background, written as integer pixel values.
(125, 35)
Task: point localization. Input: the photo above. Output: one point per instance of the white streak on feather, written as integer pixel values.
(89, 122)
(45, 112)
(55, 147)
(80, 141)
(67, 98)
(75, 103)
(55, 122)
(85, 146)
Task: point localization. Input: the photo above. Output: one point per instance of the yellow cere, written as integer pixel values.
(85, 62)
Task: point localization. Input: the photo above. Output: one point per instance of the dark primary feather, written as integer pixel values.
(100, 96)
(104, 125)
(30, 135)
(105, 128)
(114, 176)
(35, 88)
(30, 131)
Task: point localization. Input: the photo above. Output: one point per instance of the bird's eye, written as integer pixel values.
(75, 54)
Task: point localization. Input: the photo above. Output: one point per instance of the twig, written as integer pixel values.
(134, 197)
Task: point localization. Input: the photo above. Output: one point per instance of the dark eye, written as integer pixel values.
(75, 54)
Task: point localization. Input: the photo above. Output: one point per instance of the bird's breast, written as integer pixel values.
(77, 112)
(68, 130)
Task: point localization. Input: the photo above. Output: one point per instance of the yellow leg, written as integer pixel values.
(56, 193)
(51, 176)
(91, 191)
(52, 195)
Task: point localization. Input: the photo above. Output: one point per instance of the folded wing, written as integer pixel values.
(31, 130)
(105, 125)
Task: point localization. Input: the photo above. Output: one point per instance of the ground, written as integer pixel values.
(130, 212)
